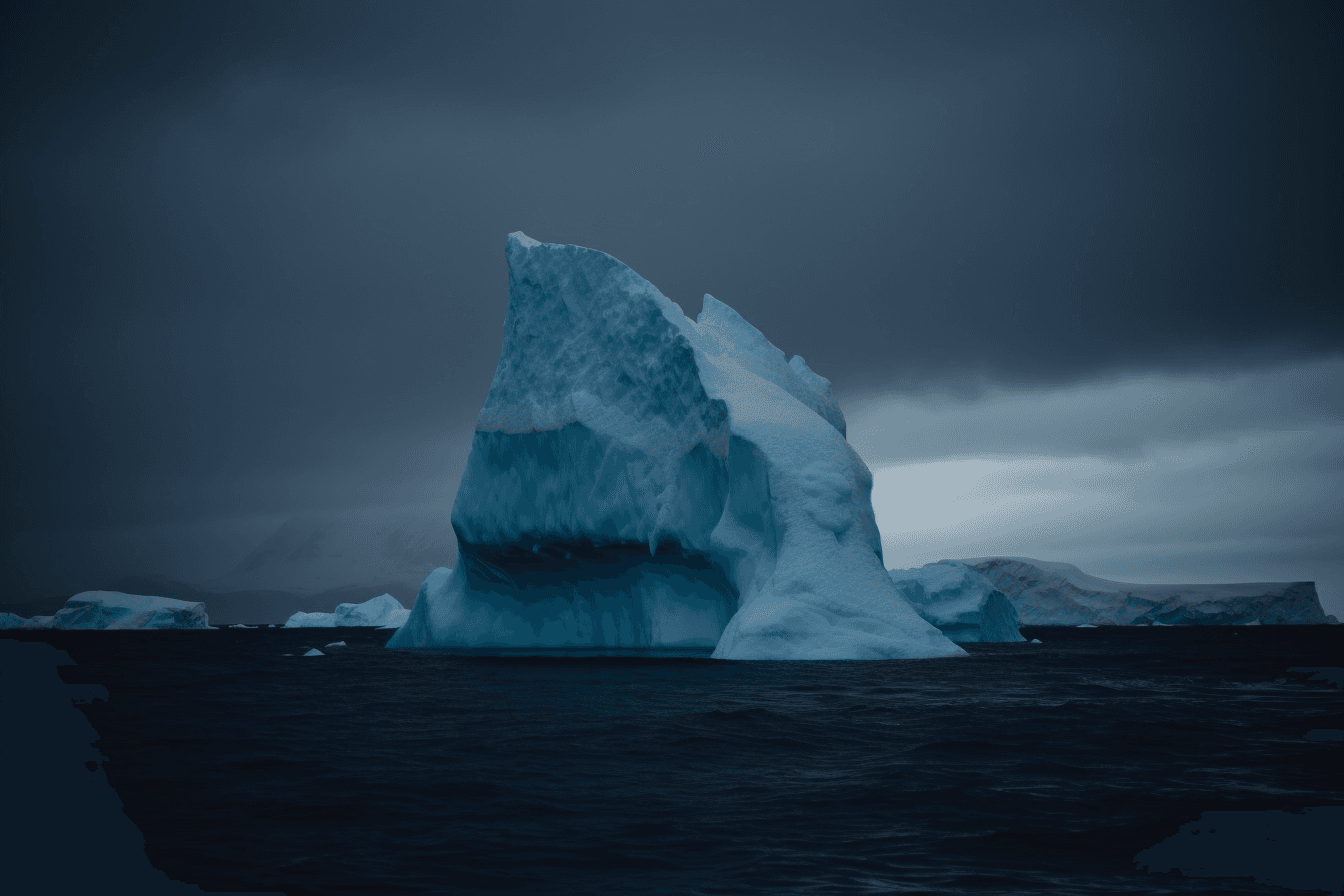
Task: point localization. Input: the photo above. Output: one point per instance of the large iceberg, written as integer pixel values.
(114, 610)
(1062, 594)
(960, 601)
(641, 479)
(383, 611)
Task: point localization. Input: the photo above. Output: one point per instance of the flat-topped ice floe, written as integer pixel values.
(115, 610)
(641, 479)
(1062, 594)
(961, 602)
(383, 611)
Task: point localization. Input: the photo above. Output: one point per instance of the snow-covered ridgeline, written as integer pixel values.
(641, 479)
(1047, 593)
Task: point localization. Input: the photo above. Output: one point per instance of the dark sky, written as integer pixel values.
(253, 253)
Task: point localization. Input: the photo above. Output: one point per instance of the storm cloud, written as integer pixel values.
(1155, 478)
(253, 252)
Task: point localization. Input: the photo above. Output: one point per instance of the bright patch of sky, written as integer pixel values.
(1154, 479)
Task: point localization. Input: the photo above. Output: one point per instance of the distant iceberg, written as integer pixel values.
(1062, 594)
(383, 611)
(311, 620)
(960, 601)
(639, 479)
(10, 620)
(114, 610)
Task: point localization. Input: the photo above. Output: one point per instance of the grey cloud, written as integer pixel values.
(253, 252)
(1107, 418)
(1151, 479)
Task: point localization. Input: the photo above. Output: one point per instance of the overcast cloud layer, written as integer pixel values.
(253, 253)
(1153, 478)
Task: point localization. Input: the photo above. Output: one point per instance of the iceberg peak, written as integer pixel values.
(523, 239)
(641, 479)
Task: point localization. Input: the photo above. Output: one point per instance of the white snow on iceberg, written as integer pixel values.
(10, 620)
(961, 602)
(114, 610)
(383, 611)
(1062, 594)
(641, 479)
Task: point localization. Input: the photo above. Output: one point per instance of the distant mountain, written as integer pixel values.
(258, 606)
(309, 556)
(309, 564)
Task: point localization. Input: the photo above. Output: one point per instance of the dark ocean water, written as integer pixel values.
(1025, 768)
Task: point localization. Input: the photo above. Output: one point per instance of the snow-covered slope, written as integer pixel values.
(383, 611)
(962, 602)
(114, 610)
(641, 479)
(1047, 593)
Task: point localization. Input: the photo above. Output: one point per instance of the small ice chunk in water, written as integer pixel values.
(334, 644)
(1086, 625)
(1035, 640)
(314, 652)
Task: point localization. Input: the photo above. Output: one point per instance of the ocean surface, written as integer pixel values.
(1023, 768)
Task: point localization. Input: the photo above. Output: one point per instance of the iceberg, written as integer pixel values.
(640, 479)
(383, 611)
(961, 602)
(115, 610)
(311, 620)
(12, 621)
(1062, 594)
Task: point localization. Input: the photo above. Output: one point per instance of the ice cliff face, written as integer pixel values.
(1062, 594)
(641, 479)
(960, 601)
